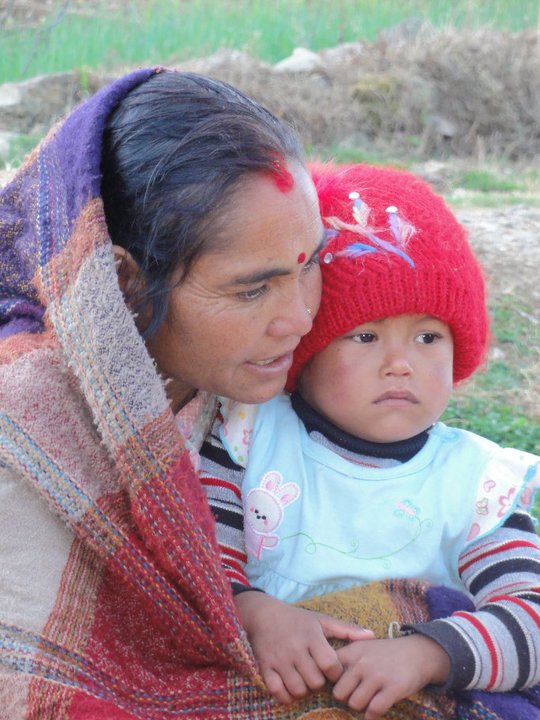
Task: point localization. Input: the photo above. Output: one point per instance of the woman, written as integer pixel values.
(107, 550)
(197, 197)
(158, 248)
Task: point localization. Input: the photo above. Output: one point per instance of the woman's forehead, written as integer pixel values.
(260, 205)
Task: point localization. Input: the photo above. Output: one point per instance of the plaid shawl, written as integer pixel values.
(112, 601)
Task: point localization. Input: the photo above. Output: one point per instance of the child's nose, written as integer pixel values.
(397, 363)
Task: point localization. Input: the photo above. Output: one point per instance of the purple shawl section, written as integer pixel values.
(73, 152)
(523, 705)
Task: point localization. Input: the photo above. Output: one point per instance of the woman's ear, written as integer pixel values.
(131, 282)
(127, 269)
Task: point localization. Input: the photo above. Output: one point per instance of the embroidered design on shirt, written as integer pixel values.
(482, 506)
(263, 512)
(405, 510)
(236, 430)
(505, 483)
(505, 502)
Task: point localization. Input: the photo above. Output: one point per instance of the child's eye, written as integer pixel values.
(365, 337)
(252, 294)
(428, 338)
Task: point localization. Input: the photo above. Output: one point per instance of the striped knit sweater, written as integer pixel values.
(495, 645)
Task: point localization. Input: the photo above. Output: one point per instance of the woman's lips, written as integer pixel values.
(278, 363)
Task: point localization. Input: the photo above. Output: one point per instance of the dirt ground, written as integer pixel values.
(507, 240)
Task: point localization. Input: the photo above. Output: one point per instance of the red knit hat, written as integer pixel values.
(409, 255)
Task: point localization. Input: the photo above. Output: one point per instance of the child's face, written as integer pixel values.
(384, 381)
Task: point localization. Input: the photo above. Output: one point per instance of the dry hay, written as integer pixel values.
(470, 94)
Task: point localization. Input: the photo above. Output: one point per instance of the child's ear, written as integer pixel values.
(127, 269)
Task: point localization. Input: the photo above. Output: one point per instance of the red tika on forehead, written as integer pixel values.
(281, 176)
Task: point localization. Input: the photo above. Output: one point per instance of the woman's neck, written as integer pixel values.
(178, 394)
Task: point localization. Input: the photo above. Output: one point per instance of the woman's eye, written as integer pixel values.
(364, 337)
(252, 294)
(311, 263)
(428, 338)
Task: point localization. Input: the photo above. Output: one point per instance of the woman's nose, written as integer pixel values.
(294, 317)
(296, 321)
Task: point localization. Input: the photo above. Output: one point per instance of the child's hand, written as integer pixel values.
(379, 673)
(291, 645)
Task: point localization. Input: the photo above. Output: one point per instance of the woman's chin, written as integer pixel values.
(262, 392)
(263, 380)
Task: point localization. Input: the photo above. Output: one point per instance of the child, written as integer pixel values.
(353, 479)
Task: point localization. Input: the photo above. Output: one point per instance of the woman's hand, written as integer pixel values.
(378, 674)
(291, 644)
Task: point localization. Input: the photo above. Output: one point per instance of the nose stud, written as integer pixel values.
(309, 311)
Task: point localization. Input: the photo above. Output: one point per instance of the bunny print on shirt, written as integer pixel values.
(263, 512)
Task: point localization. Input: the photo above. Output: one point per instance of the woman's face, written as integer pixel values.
(234, 321)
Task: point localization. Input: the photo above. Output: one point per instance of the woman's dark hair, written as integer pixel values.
(175, 150)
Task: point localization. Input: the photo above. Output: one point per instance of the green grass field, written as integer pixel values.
(164, 31)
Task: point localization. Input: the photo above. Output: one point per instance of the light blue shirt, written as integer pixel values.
(316, 522)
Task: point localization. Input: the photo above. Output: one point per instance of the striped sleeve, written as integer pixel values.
(496, 647)
(221, 479)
